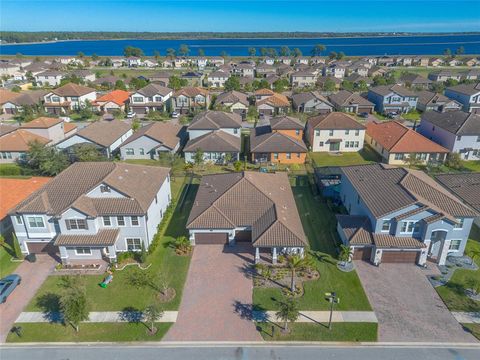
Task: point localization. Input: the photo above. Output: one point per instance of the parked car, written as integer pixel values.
(131, 115)
(175, 115)
(392, 115)
(364, 115)
(7, 285)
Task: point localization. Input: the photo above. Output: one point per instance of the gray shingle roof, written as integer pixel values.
(466, 89)
(335, 121)
(167, 134)
(153, 89)
(104, 133)
(262, 141)
(384, 90)
(215, 120)
(286, 123)
(345, 98)
(456, 122)
(215, 141)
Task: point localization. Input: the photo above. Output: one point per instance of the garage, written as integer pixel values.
(399, 256)
(211, 238)
(362, 253)
(243, 236)
(45, 247)
(365, 109)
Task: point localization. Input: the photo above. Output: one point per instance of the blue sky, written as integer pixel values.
(240, 15)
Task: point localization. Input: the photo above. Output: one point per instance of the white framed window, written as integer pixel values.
(455, 245)
(137, 99)
(129, 151)
(398, 156)
(317, 132)
(235, 131)
(134, 244)
(142, 151)
(357, 132)
(134, 221)
(297, 132)
(347, 132)
(386, 225)
(76, 224)
(107, 221)
(275, 156)
(409, 226)
(104, 188)
(330, 133)
(19, 219)
(36, 222)
(83, 251)
(120, 220)
(289, 156)
(459, 224)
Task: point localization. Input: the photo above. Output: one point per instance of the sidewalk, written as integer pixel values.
(467, 317)
(95, 317)
(321, 316)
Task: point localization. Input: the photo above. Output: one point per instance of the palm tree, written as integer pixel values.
(295, 263)
(288, 311)
(345, 253)
(474, 254)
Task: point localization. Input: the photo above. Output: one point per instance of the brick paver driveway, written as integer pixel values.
(407, 307)
(33, 275)
(217, 298)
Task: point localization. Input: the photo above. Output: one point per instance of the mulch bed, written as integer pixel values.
(169, 295)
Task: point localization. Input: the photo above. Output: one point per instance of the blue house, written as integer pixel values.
(399, 215)
(392, 99)
(466, 94)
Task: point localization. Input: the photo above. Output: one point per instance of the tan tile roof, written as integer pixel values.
(68, 127)
(215, 120)
(276, 100)
(286, 123)
(357, 229)
(72, 89)
(466, 186)
(335, 121)
(19, 141)
(104, 133)
(215, 141)
(386, 241)
(104, 237)
(41, 123)
(6, 96)
(166, 133)
(263, 201)
(274, 142)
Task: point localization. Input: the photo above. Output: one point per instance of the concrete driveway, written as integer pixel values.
(33, 275)
(407, 306)
(216, 302)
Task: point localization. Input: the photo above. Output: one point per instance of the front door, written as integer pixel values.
(335, 146)
(437, 238)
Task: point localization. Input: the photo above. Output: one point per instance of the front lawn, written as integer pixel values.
(319, 332)
(92, 332)
(453, 293)
(6, 266)
(474, 329)
(119, 295)
(365, 156)
(472, 165)
(320, 227)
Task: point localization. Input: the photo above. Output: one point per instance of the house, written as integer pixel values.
(109, 208)
(395, 143)
(193, 78)
(360, 70)
(445, 75)
(161, 78)
(392, 99)
(84, 74)
(5, 97)
(280, 142)
(304, 60)
(335, 70)
(269, 61)
(303, 79)
(53, 129)
(236, 101)
(351, 102)
(152, 140)
(414, 81)
(466, 94)
(263, 70)
(245, 70)
(181, 62)
(271, 103)
(216, 61)
(153, 97)
(472, 62)
(437, 62)
(190, 99)
(312, 101)
(113, 101)
(397, 215)
(133, 61)
(217, 79)
(377, 71)
(16, 104)
(286, 60)
(107, 136)
(323, 80)
(421, 61)
(457, 131)
(335, 132)
(49, 78)
(149, 63)
(248, 207)
(15, 144)
(201, 62)
(428, 101)
(472, 74)
(454, 62)
(67, 98)
(217, 134)
(465, 186)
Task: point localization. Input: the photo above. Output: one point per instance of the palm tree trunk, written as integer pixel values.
(292, 286)
(285, 327)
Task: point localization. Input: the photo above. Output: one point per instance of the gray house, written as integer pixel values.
(457, 131)
(399, 215)
(311, 101)
(392, 98)
(466, 94)
(428, 101)
(92, 211)
(351, 102)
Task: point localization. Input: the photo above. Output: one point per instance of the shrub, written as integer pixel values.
(166, 217)
(16, 247)
(10, 170)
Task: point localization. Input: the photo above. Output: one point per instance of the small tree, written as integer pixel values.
(252, 51)
(454, 161)
(162, 283)
(294, 263)
(143, 254)
(198, 157)
(228, 158)
(151, 314)
(288, 311)
(233, 83)
(345, 253)
(252, 112)
(412, 160)
(139, 278)
(182, 244)
(17, 252)
(74, 306)
(136, 125)
(237, 165)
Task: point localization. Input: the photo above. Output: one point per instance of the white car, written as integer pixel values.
(131, 115)
(175, 115)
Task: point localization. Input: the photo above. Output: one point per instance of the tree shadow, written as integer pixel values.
(323, 258)
(131, 314)
(49, 303)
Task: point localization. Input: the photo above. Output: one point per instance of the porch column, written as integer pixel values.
(257, 255)
(422, 260)
(274, 256)
(443, 252)
(112, 254)
(377, 257)
(63, 254)
(302, 252)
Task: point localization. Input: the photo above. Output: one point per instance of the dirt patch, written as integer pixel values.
(167, 295)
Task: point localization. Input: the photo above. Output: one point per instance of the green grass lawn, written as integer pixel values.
(92, 332)
(453, 293)
(473, 165)
(6, 266)
(319, 225)
(365, 156)
(412, 115)
(474, 329)
(319, 332)
(119, 295)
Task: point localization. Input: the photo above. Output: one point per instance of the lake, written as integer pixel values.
(360, 46)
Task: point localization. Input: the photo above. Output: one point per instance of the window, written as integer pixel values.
(317, 132)
(19, 220)
(321, 143)
(134, 220)
(235, 131)
(357, 132)
(107, 221)
(104, 188)
(358, 199)
(55, 99)
(455, 245)
(398, 156)
(330, 132)
(120, 221)
(142, 151)
(297, 132)
(129, 151)
(478, 138)
(386, 225)
(275, 156)
(158, 98)
(36, 222)
(409, 226)
(134, 244)
(459, 137)
(156, 199)
(347, 132)
(347, 144)
(459, 225)
(357, 144)
(298, 155)
(83, 251)
(6, 155)
(76, 224)
(289, 156)
(137, 99)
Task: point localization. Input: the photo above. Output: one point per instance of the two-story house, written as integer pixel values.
(236, 101)
(217, 79)
(466, 94)
(68, 97)
(312, 101)
(444, 75)
(190, 99)
(153, 97)
(398, 215)
(215, 134)
(271, 103)
(303, 79)
(49, 78)
(113, 101)
(92, 211)
(54, 129)
(457, 131)
(351, 102)
(335, 70)
(14, 145)
(281, 142)
(392, 99)
(414, 81)
(335, 132)
(429, 101)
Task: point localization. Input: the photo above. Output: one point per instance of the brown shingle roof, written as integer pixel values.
(346, 98)
(72, 89)
(191, 92)
(466, 186)
(165, 133)
(41, 123)
(19, 140)
(286, 123)
(357, 229)
(215, 120)
(334, 121)
(6, 96)
(274, 142)
(5, 129)
(232, 97)
(215, 141)
(104, 133)
(387, 241)
(153, 89)
(104, 237)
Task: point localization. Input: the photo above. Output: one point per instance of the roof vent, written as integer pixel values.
(126, 170)
(120, 177)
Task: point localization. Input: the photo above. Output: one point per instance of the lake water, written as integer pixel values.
(401, 45)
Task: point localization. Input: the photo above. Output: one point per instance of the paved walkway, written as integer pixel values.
(33, 275)
(216, 301)
(467, 317)
(407, 306)
(321, 316)
(95, 317)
